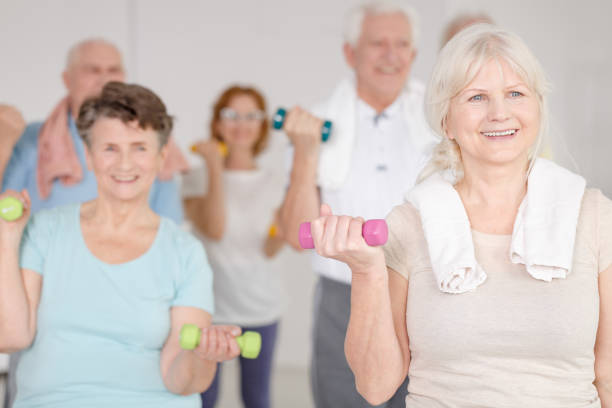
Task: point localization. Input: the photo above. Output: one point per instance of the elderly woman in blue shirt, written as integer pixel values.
(97, 292)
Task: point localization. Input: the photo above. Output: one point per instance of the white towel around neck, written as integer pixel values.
(341, 109)
(543, 236)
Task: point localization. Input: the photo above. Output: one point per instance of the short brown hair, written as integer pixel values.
(128, 103)
(224, 100)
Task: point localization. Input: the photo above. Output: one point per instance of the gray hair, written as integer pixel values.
(354, 18)
(75, 50)
(458, 64)
(128, 103)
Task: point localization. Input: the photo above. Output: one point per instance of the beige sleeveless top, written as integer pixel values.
(513, 342)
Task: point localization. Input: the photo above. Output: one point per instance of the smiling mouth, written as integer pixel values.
(388, 70)
(125, 179)
(500, 133)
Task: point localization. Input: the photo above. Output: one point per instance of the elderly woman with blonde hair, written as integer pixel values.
(495, 288)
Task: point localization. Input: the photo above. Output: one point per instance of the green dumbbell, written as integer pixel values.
(10, 208)
(279, 120)
(249, 341)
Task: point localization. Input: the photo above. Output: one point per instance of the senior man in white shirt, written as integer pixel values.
(380, 142)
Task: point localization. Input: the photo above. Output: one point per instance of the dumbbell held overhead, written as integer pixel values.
(10, 208)
(375, 233)
(249, 341)
(279, 120)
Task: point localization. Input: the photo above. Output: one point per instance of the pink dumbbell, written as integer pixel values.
(375, 233)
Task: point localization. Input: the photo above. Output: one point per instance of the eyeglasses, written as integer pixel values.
(230, 115)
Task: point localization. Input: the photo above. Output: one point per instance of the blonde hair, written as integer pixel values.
(458, 64)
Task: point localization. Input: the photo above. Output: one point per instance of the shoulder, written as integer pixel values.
(53, 222)
(179, 240)
(595, 217)
(594, 203)
(28, 142)
(404, 222)
(594, 232)
(596, 206)
(591, 199)
(62, 213)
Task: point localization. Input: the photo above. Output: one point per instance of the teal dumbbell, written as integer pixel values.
(249, 341)
(10, 208)
(279, 120)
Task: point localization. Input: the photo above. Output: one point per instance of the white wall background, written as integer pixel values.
(189, 50)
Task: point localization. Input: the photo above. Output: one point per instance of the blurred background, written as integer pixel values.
(187, 51)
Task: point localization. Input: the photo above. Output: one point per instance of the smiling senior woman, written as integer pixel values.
(97, 292)
(495, 288)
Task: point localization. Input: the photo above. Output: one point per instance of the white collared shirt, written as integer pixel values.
(385, 164)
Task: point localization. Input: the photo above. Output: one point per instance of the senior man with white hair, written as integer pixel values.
(379, 144)
(48, 159)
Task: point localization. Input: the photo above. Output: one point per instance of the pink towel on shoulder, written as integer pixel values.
(57, 158)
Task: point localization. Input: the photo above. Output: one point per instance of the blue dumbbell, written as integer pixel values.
(279, 120)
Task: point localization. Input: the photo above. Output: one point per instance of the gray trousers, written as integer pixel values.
(332, 381)
(11, 380)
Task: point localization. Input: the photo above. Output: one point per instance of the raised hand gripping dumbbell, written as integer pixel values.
(375, 233)
(279, 120)
(249, 341)
(10, 208)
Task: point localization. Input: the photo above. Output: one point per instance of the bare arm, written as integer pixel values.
(302, 199)
(272, 245)
(5, 157)
(19, 288)
(12, 125)
(188, 372)
(603, 345)
(376, 344)
(207, 213)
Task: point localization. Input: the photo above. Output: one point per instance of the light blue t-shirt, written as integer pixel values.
(101, 327)
(20, 173)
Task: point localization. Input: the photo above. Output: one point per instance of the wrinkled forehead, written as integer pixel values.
(109, 129)
(494, 67)
(380, 25)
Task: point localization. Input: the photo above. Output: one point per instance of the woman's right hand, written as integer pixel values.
(341, 238)
(11, 231)
(304, 130)
(209, 150)
(12, 125)
(218, 343)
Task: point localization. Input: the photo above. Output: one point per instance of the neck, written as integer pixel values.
(378, 101)
(74, 109)
(119, 215)
(492, 185)
(240, 159)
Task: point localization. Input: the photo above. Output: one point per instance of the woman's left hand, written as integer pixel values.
(218, 343)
